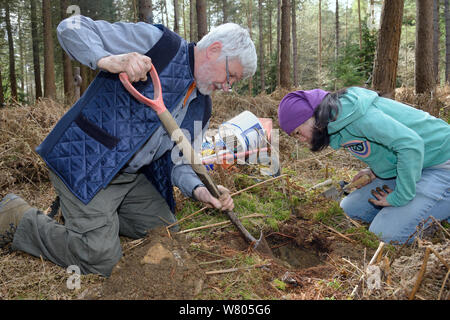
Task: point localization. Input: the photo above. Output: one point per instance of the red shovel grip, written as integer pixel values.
(157, 103)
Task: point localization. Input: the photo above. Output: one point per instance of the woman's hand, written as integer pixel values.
(225, 202)
(380, 195)
(363, 172)
(135, 65)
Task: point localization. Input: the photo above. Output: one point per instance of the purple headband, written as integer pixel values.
(298, 106)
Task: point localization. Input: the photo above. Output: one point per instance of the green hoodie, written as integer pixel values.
(394, 139)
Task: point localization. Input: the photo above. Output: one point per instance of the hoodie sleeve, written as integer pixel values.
(405, 143)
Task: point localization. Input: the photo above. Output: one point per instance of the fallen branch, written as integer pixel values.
(233, 194)
(443, 285)
(322, 184)
(236, 269)
(420, 274)
(255, 215)
(380, 248)
(338, 233)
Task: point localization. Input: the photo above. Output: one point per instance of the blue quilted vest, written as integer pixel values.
(104, 129)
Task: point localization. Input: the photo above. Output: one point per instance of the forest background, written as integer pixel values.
(300, 44)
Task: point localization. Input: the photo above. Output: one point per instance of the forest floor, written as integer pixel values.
(318, 252)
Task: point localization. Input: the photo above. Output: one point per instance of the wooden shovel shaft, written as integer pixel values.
(192, 157)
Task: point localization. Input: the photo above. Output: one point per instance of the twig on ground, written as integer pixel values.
(233, 194)
(338, 233)
(380, 247)
(255, 215)
(420, 274)
(443, 285)
(237, 269)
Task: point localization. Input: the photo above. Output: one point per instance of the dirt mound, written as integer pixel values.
(159, 268)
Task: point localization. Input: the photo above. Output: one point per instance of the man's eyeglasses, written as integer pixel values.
(228, 73)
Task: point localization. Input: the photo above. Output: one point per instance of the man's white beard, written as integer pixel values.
(204, 85)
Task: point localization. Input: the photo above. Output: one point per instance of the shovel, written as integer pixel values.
(334, 194)
(174, 131)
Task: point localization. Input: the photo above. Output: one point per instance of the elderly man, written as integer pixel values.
(109, 158)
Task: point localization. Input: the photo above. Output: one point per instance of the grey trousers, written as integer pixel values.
(89, 238)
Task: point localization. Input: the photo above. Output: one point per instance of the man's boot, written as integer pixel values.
(12, 209)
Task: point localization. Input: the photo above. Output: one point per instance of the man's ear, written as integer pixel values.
(213, 50)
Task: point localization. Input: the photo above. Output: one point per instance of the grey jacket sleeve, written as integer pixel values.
(87, 41)
(183, 176)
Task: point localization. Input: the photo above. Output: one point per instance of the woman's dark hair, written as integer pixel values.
(327, 111)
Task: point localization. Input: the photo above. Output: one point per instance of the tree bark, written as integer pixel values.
(436, 38)
(319, 46)
(69, 86)
(285, 65)
(12, 64)
(225, 11)
(176, 27)
(336, 48)
(249, 23)
(294, 45)
(447, 41)
(269, 8)
(49, 57)
(184, 21)
(201, 19)
(35, 40)
(386, 60)
(261, 46)
(145, 11)
(424, 74)
(278, 40)
(359, 25)
(2, 96)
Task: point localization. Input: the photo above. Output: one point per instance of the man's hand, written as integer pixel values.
(134, 64)
(363, 172)
(380, 195)
(225, 202)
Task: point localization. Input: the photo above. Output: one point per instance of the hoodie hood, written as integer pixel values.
(354, 104)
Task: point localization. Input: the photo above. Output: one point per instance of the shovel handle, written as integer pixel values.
(157, 104)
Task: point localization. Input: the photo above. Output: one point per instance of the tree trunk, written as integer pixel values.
(146, 11)
(225, 11)
(2, 96)
(167, 14)
(436, 38)
(69, 86)
(184, 21)
(424, 74)
(261, 46)
(21, 53)
(319, 47)
(200, 6)
(359, 24)
(294, 44)
(447, 41)
(386, 60)
(278, 40)
(176, 28)
(12, 65)
(336, 48)
(269, 8)
(192, 5)
(49, 58)
(35, 40)
(249, 23)
(285, 65)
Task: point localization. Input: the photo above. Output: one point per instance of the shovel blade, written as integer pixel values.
(332, 194)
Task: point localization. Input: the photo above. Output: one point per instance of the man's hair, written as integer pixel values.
(236, 44)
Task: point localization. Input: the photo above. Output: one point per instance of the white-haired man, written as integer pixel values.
(109, 159)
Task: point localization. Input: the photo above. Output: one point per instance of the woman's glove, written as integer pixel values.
(363, 172)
